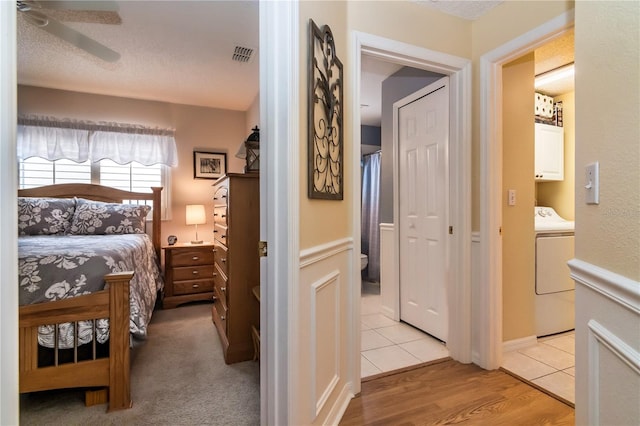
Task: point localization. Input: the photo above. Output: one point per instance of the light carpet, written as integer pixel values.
(178, 377)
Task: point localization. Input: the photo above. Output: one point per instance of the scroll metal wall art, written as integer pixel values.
(326, 144)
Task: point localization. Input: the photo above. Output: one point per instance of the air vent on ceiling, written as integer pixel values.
(242, 54)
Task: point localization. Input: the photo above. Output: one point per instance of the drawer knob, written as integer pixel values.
(195, 272)
(195, 258)
(224, 215)
(224, 236)
(214, 274)
(223, 289)
(222, 317)
(223, 260)
(196, 285)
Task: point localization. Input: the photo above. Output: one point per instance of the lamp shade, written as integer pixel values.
(195, 214)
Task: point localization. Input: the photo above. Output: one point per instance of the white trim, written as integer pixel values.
(490, 297)
(337, 410)
(9, 399)
(324, 251)
(334, 279)
(622, 290)
(389, 298)
(598, 337)
(517, 344)
(617, 346)
(279, 213)
(459, 72)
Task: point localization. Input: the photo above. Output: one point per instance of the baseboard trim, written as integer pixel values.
(517, 344)
(622, 290)
(342, 402)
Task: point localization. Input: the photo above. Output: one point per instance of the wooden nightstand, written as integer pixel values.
(189, 273)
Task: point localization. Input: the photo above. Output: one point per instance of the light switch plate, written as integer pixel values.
(592, 183)
(512, 197)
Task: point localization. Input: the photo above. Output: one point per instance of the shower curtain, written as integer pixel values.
(370, 239)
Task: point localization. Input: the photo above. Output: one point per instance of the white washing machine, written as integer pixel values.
(554, 289)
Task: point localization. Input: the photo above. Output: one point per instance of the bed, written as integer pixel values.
(89, 277)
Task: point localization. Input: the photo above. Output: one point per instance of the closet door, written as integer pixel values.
(423, 137)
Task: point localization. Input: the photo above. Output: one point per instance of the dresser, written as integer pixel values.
(189, 273)
(236, 218)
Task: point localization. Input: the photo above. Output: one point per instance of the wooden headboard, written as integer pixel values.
(105, 194)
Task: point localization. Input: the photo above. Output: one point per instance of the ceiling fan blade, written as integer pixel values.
(80, 40)
(100, 5)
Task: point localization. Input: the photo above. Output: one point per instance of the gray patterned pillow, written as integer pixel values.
(98, 218)
(44, 216)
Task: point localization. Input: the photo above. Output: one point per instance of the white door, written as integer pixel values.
(423, 139)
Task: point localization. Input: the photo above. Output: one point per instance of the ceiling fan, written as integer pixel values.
(47, 15)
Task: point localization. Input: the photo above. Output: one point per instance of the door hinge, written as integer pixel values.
(500, 231)
(450, 230)
(262, 248)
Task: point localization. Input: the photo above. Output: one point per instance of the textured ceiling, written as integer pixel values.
(172, 51)
(555, 54)
(180, 52)
(467, 9)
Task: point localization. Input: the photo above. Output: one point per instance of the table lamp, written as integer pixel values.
(196, 216)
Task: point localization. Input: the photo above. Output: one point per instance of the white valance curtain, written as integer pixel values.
(54, 139)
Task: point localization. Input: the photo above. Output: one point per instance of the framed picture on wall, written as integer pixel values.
(209, 165)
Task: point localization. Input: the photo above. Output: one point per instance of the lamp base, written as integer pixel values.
(197, 242)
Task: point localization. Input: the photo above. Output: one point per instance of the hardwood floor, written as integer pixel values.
(450, 393)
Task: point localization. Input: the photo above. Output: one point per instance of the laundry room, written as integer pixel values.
(538, 170)
(537, 230)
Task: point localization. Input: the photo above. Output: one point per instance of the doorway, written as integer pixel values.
(458, 70)
(488, 325)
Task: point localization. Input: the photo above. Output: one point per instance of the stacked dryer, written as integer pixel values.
(554, 289)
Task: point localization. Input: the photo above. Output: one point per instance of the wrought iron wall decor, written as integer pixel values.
(325, 145)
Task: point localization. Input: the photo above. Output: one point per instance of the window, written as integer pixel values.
(52, 151)
(134, 176)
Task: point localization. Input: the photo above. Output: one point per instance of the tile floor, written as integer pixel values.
(389, 345)
(549, 364)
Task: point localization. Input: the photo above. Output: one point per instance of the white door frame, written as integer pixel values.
(9, 397)
(489, 354)
(279, 206)
(459, 72)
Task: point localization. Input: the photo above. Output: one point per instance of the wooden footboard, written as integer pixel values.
(112, 372)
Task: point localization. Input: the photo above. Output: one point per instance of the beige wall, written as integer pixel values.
(517, 221)
(608, 131)
(323, 221)
(503, 23)
(561, 195)
(197, 128)
(412, 23)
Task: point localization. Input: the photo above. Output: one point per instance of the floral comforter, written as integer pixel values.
(54, 267)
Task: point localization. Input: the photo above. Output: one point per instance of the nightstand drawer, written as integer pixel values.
(193, 272)
(191, 257)
(191, 287)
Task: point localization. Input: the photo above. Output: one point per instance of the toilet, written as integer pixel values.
(364, 261)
